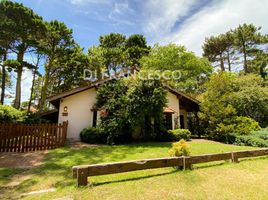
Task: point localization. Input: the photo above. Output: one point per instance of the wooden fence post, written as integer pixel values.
(234, 158)
(82, 174)
(65, 125)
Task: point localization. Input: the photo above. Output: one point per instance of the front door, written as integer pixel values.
(182, 121)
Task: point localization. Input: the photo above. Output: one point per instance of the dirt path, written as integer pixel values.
(21, 160)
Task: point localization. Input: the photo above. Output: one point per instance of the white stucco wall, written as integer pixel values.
(173, 103)
(80, 115)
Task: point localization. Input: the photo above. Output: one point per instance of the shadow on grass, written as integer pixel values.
(133, 179)
(57, 164)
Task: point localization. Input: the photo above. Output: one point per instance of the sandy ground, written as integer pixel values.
(21, 160)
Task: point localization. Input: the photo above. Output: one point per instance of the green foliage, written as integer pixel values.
(111, 98)
(34, 118)
(96, 60)
(136, 47)
(66, 77)
(119, 52)
(230, 129)
(9, 114)
(250, 98)
(179, 134)
(59, 49)
(93, 135)
(239, 125)
(229, 96)
(26, 28)
(247, 38)
(180, 148)
(147, 99)
(251, 140)
(129, 103)
(114, 54)
(219, 49)
(263, 134)
(245, 43)
(194, 70)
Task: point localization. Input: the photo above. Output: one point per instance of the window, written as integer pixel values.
(168, 121)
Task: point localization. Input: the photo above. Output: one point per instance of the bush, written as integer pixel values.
(10, 114)
(251, 140)
(178, 134)
(239, 125)
(93, 135)
(263, 134)
(228, 138)
(34, 118)
(180, 148)
(173, 135)
(228, 130)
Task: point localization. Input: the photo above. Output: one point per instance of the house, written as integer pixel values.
(77, 107)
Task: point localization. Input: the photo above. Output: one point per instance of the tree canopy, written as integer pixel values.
(193, 69)
(244, 45)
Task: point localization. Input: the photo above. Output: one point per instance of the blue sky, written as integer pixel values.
(163, 21)
(186, 22)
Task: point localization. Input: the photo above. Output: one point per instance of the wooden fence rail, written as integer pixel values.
(31, 137)
(83, 171)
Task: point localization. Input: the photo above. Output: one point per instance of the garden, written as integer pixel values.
(227, 83)
(216, 180)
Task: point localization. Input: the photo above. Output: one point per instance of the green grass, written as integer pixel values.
(217, 180)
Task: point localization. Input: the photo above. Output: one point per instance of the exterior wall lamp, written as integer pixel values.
(65, 111)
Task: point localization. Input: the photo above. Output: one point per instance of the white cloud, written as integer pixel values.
(119, 12)
(161, 16)
(217, 19)
(84, 2)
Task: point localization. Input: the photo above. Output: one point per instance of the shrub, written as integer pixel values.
(228, 138)
(228, 130)
(173, 135)
(180, 148)
(240, 125)
(10, 114)
(93, 135)
(34, 118)
(178, 134)
(263, 134)
(251, 140)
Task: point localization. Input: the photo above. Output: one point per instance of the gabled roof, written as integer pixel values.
(55, 99)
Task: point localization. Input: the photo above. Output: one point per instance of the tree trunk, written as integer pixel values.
(3, 87)
(222, 63)
(229, 62)
(245, 59)
(32, 88)
(17, 100)
(33, 83)
(44, 89)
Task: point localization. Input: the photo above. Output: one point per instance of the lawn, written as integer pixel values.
(217, 180)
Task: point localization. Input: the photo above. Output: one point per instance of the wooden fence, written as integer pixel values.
(32, 137)
(82, 172)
